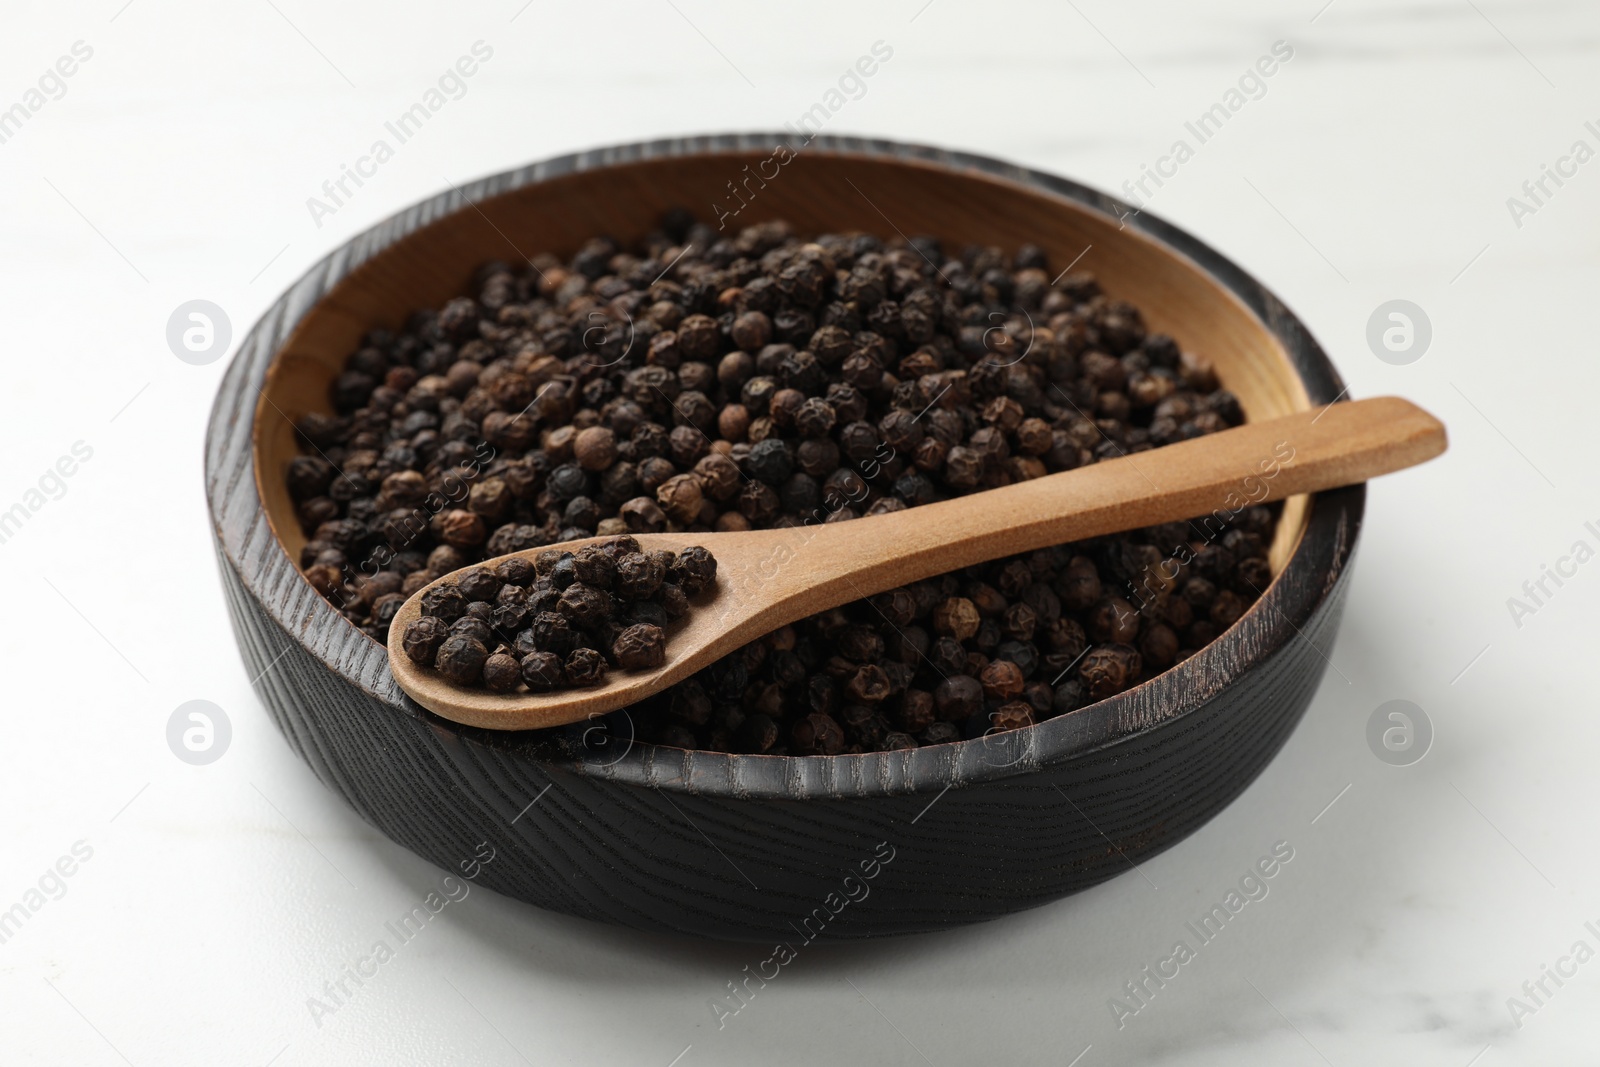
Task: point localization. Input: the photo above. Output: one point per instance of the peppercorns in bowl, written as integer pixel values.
(897, 718)
(769, 380)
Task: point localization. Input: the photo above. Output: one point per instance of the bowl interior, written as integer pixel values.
(817, 191)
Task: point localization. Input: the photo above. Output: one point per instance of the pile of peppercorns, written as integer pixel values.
(561, 621)
(993, 647)
(705, 382)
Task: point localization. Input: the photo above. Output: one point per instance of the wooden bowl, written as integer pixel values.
(587, 821)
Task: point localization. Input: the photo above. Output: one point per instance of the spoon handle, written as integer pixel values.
(1215, 476)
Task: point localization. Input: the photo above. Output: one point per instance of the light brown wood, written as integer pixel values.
(769, 578)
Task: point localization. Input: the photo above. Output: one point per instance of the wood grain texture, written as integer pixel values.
(771, 578)
(746, 847)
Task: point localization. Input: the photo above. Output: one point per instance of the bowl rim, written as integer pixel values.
(1296, 592)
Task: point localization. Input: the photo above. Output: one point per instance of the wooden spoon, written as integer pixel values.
(769, 578)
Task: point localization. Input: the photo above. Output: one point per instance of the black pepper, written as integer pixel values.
(550, 631)
(460, 659)
(774, 379)
(639, 647)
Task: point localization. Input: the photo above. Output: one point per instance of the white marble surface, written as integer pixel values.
(1377, 165)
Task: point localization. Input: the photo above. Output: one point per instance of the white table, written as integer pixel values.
(1376, 165)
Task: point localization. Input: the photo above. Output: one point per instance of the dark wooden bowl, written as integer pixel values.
(772, 847)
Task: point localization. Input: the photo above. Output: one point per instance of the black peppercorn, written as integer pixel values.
(1013, 715)
(594, 567)
(769, 462)
(481, 584)
(515, 571)
(385, 607)
(758, 502)
(947, 657)
(757, 733)
(1109, 669)
(957, 697)
(584, 667)
(1002, 680)
(639, 647)
(1226, 609)
(501, 672)
(814, 418)
(308, 476)
(460, 659)
(423, 637)
(696, 569)
(1159, 645)
(444, 602)
(1113, 619)
(817, 734)
(474, 627)
(643, 515)
(586, 606)
(542, 671)
(552, 633)
(869, 684)
(956, 617)
(638, 576)
(1079, 584)
(817, 457)
(1251, 577)
(916, 711)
